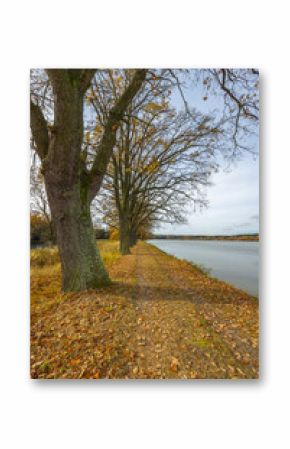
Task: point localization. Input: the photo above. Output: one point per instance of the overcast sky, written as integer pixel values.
(233, 197)
(233, 204)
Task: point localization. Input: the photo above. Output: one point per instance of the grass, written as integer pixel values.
(45, 274)
(197, 267)
(109, 251)
(44, 257)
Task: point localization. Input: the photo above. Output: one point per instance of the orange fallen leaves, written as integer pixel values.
(174, 364)
(75, 362)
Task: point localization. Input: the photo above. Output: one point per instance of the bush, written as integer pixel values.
(101, 233)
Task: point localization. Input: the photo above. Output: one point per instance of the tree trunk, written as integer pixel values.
(82, 266)
(132, 238)
(124, 236)
(67, 185)
(52, 231)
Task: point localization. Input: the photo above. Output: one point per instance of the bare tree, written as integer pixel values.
(167, 189)
(158, 169)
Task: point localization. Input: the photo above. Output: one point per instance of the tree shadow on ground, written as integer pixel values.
(195, 295)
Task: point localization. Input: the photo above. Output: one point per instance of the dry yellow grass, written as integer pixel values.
(45, 274)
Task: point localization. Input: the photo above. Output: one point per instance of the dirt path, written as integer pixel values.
(184, 330)
(162, 318)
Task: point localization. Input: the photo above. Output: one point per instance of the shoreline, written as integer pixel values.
(241, 238)
(232, 265)
(203, 270)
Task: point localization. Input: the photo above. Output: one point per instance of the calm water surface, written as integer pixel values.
(234, 262)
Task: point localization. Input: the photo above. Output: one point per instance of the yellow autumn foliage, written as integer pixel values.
(98, 129)
(153, 166)
(114, 234)
(153, 107)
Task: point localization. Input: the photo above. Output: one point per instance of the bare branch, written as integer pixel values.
(108, 141)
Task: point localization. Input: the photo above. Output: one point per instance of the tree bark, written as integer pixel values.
(132, 238)
(82, 266)
(124, 235)
(52, 231)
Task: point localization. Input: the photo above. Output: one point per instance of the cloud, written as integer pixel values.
(233, 204)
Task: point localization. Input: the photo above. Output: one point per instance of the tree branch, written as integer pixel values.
(230, 93)
(83, 76)
(108, 141)
(39, 130)
(86, 78)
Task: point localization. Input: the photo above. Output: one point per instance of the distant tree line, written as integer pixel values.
(246, 237)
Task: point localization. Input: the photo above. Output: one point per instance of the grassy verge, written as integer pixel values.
(45, 274)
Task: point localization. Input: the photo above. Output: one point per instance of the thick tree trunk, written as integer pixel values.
(52, 232)
(124, 235)
(82, 266)
(67, 185)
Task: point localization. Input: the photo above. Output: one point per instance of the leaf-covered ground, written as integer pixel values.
(161, 318)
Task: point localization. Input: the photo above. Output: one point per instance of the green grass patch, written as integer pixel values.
(201, 343)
